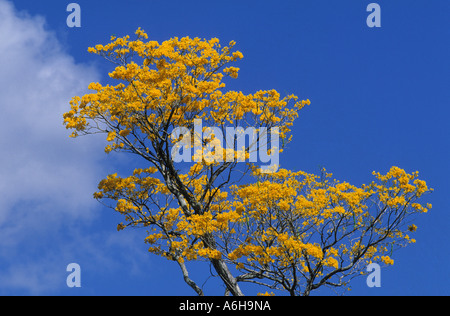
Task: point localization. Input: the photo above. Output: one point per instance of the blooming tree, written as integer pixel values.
(281, 229)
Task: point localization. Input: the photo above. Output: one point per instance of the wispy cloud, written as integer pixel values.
(46, 178)
(37, 79)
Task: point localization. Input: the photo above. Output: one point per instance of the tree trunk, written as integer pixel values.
(226, 276)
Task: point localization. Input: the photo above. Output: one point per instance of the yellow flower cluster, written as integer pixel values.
(401, 182)
(210, 253)
(331, 262)
(387, 260)
(266, 294)
(279, 215)
(289, 208)
(177, 81)
(199, 225)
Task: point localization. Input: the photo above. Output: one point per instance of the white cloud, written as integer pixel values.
(46, 178)
(38, 161)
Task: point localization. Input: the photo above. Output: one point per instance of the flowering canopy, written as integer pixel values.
(287, 230)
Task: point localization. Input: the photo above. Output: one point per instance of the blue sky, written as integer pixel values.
(380, 97)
